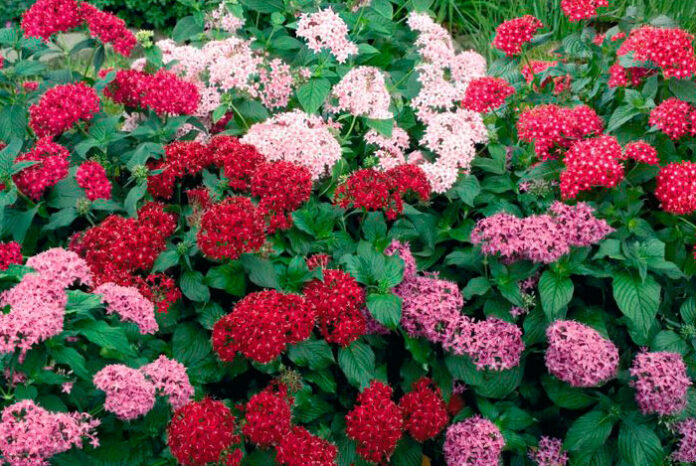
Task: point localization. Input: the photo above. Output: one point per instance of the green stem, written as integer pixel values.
(241, 117)
(350, 130)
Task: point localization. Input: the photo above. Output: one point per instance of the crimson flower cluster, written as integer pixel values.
(670, 49)
(204, 432)
(424, 410)
(262, 325)
(299, 448)
(282, 188)
(109, 28)
(91, 177)
(238, 161)
(511, 35)
(181, 158)
(675, 118)
(52, 167)
(577, 10)
(625, 77)
(10, 253)
(268, 416)
(375, 423)
(641, 152)
(231, 228)
(159, 289)
(590, 163)
(486, 94)
(676, 187)
(61, 107)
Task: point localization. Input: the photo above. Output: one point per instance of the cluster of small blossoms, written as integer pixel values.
(109, 28)
(31, 435)
(326, 30)
(686, 451)
(535, 67)
(238, 161)
(296, 137)
(424, 410)
(553, 128)
(10, 253)
(268, 416)
(362, 92)
(473, 441)
(391, 150)
(671, 49)
(661, 382)
(590, 163)
(203, 432)
(181, 158)
(61, 107)
(676, 188)
(230, 228)
(277, 84)
(577, 10)
(160, 289)
(549, 452)
(623, 77)
(91, 177)
(337, 301)
(300, 448)
(641, 152)
(262, 325)
(64, 267)
(48, 17)
(170, 379)
(222, 19)
(52, 167)
(511, 35)
(675, 118)
(375, 423)
(129, 305)
(579, 355)
(486, 94)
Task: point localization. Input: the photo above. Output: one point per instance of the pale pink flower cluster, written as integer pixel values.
(130, 305)
(392, 150)
(362, 92)
(232, 63)
(431, 308)
(474, 441)
(549, 452)
(62, 266)
(661, 382)
(296, 137)
(579, 355)
(222, 19)
(30, 435)
(540, 238)
(326, 30)
(277, 83)
(686, 451)
(170, 379)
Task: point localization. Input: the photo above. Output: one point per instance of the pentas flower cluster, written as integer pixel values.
(590, 163)
(625, 77)
(61, 107)
(262, 325)
(641, 152)
(10, 253)
(675, 118)
(661, 382)
(221, 18)
(473, 441)
(531, 70)
(337, 301)
(549, 452)
(160, 289)
(203, 432)
(268, 416)
(326, 30)
(577, 10)
(231, 228)
(671, 49)
(540, 238)
(676, 187)
(64, 267)
(299, 448)
(391, 150)
(362, 92)
(52, 167)
(91, 177)
(130, 305)
(170, 379)
(31, 435)
(511, 35)
(424, 410)
(375, 423)
(181, 158)
(686, 451)
(238, 161)
(579, 355)
(486, 94)
(109, 28)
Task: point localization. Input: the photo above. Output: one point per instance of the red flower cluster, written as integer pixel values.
(318, 260)
(10, 253)
(282, 187)
(620, 76)
(52, 167)
(163, 92)
(300, 448)
(159, 289)
(577, 10)
(231, 228)
(553, 128)
(676, 188)
(589, 163)
(410, 179)
(424, 410)
(61, 107)
(238, 161)
(511, 35)
(203, 432)
(91, 177)
(529, 71)
(262, 325)
(337, 301)
(119, 247)
(375, 423)
(675, 118)
(48, 17)
(109, 28)
(181, 158)
(642, 152)
(486, 94)
(268, 416)
(669, 48)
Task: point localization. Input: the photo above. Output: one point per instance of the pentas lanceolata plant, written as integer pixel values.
(323, 233)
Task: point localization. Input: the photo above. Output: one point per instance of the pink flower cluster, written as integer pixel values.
(392, 150)
(170, 379)
(579, 355)
(61, 107)
(130, 305)
(91, 177)
(590, 163)
(661, 382)
(362, 92)
(296, 137)
(63, 267)
(326, 30)
(686, 451)
(669, 48)
(540, 238)
(577, 10)
(549, 452)
(31, 435)
(221, 18)
(473, 441)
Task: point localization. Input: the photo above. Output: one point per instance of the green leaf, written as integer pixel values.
(421, 5)
(621, 115)
(210, 314)
(555, 293)
(408, 453)
(385, 308)
(8, 155)
(71, 358)
(357, 362)
(639, 445)
(467, 189)
(383, 7)
(264, 6)
(316, 354)
(261, 271)
(383, 127)
(490, 384)
(103, 335)
(62, 218)
(476, 287)
(228, 277)
(588, 432)
(639, 302)
(374, 226)
(79, 301)
(313, 94)
(683, 89)
(186, 28)
(191, 283)
(190, 343)
(565, 396)
(134, 195)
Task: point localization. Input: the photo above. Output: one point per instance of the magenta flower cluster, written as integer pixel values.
(130, 305)
(473, 441)
(661, 382)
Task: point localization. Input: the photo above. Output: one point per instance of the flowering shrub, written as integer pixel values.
(323, 233)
